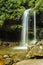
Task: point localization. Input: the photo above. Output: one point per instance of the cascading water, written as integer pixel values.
(34, 25)
(24, 34)
(34, 41)
(25, 19)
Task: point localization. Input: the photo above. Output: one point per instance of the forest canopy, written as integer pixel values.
(13, 9)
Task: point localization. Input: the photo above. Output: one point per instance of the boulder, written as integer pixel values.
(36, 51)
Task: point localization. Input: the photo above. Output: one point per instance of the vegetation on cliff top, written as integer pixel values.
(13, 9)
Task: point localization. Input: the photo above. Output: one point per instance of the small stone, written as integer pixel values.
(8, 61)
(6, 56)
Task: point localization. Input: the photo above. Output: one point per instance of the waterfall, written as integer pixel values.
(24, 34)
(34, 25)
(25, 19)
(35, 40)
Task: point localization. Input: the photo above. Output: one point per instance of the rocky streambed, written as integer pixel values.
(32, 56)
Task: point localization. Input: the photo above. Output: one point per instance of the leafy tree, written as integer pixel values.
(13, 9)
(10, 9)
(36, 5)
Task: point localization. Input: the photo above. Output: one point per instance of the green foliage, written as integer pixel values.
(13, 9)
(18, 13)
(13, 27)
(1, 23)
(36, 6)
(31, 3)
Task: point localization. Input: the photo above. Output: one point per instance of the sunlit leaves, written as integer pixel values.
(31, 3)
(18, 13)
(13, 9)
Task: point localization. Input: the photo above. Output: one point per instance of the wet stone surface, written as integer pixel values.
(8, 60)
